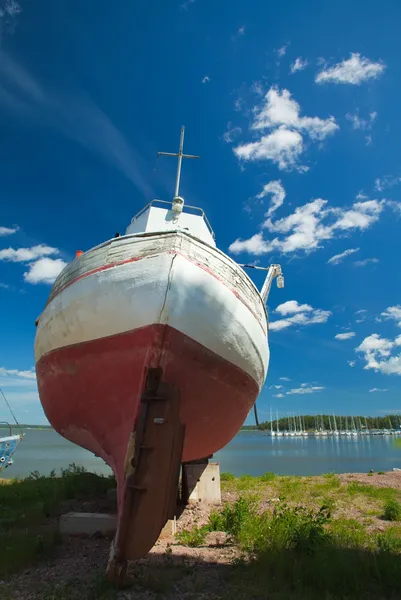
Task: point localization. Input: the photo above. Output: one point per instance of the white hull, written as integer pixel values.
(133, 282)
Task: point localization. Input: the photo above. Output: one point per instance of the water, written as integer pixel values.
(249, 452)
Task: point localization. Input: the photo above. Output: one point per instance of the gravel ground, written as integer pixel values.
(75, 572)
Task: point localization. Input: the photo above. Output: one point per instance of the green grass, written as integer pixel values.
(298, 548)
(194, 537)
(392, 511)
(300, 552)
(379, 493)
(28, 511)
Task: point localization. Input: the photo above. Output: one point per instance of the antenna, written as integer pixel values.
(180, 156)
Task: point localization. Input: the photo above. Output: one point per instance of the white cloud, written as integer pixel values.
(279, 395)
(359, 123)
(44, 270)
(366, 261)
(283, 147)
(8, 230)
(298, 65)
(355, 70)
(238, 34)
(337, 258)
(206, 79)
(377, 354)
(30, 374)
(378, 390)
(305, 390)
(279, 108)
(310, 225)
(393, 313)
(352, 363)
(282, 51)
(254, 245)
(27, 254)
(231, 133)
(284, 379)
(345, 336)
(298, 314)
(185, 5)
(276, 387)
(277, 193)
(386, 182)
(278, 117)
(292, 307)
(10, 8)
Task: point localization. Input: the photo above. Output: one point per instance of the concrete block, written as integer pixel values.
(203, 482)
(169, 530)
(91, 524)
(75, 523)
(111, 495)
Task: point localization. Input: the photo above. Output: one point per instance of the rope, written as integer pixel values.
(9, 407)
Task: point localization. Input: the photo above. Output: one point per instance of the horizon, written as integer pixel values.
(299, 139)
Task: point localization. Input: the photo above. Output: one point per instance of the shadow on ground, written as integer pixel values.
(77, 573)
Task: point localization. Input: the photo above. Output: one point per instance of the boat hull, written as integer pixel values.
(91, 391)
(162, 301)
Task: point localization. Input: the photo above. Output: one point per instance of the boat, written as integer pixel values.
(150, 352)
(8, 445)
(10, 442)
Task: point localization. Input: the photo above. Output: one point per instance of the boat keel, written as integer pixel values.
(151, 475)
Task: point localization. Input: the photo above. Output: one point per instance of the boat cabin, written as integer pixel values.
(160, 216)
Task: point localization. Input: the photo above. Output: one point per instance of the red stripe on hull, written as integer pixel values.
(91, 391)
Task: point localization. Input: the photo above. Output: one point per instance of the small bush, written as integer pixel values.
(267, 476)
(392, 511)
(348, 533)
(389, 541)
(233, 517)
(193, 537)
(227, 477)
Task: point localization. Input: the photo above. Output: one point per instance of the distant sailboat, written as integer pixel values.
(8, 443)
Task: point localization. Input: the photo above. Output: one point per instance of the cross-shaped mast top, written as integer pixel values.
(180, 156)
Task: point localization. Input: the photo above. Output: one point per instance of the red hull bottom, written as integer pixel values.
(91, 392)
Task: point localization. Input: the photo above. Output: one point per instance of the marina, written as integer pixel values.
(328, 425)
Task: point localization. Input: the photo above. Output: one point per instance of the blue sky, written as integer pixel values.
(294, 109)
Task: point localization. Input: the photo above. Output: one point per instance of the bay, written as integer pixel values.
(249, 453)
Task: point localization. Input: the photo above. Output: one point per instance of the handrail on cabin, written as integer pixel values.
(201, 211)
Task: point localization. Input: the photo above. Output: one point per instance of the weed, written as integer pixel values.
(389, 541)
(392, 511)
(290, 487)
(380, 472)
(25, 505)
(348, 533)
(194, 537)
(227, 477)
(384, 493)
(245, 482)
(267, 477)
(233, 517)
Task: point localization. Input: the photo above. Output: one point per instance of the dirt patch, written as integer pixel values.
(388, 479)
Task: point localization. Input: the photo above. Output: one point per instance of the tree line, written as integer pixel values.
(327, 422)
